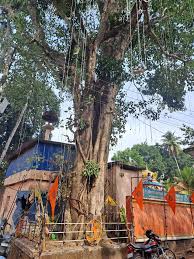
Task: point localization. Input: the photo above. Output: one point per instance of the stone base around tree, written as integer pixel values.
(24, 249)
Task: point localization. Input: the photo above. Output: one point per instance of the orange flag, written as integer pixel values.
(138, 194)
(170, 197)
(192, 197)
(52, 196)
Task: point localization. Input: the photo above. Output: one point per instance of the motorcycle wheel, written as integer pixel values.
(168, 254)
(155, 256)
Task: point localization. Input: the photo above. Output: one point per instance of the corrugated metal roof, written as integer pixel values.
(189, 149)
(28, 145)
(125, 166)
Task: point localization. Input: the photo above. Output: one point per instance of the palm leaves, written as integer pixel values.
(186, 179)
(171, 142)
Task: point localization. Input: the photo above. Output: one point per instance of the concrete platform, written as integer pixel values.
(24, 249)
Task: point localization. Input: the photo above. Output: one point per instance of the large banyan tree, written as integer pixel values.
(90, 49)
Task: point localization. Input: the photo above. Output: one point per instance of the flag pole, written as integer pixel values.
(190, 204)
(132, 191)
(165, 219)
(132, 214)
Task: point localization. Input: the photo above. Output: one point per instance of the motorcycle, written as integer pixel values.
(4, 246)
(5, 243)
(151, 249)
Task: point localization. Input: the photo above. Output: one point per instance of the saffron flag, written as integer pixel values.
(192, 197)
(171, 198)
(52, 196)
(138, 194)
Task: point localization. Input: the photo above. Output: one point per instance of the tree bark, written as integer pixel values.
(93, 116)
(7, 53)
(87, 199)
(177, 164)
(92, 141)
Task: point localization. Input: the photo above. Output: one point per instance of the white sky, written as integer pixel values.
(142, 130)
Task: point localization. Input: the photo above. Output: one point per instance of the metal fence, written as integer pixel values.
(63, 232)
(116, 231)
(30, 230)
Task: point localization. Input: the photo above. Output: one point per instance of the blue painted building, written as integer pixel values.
(34, 165)
(41, 155)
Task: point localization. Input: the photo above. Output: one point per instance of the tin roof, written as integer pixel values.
(29, 144)
(125, 166)
(189, 149)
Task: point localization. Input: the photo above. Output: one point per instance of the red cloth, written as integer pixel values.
(138, 194)
(52, 196)
(192, 197)
(171, 198)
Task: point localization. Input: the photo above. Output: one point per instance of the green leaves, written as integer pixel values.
(186, 178)
(28, 77)
(111, 70)
(171, 142)
(14, 2)
(188, 134)
(164, 80)
(129, 156)
(91, 169)
(155, 157)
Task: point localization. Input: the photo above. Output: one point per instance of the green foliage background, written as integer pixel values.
(155, 157)
(163, 85)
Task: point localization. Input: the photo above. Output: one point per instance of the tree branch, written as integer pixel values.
(8, 61)
(93, 46)
(68, 139)
(128, 26)
(8, 52)
(103, 23)
(55, 56)
(155, 38)
(35, 16)
(80, 148)
(166, 53)
(39, 37)
(73, 30)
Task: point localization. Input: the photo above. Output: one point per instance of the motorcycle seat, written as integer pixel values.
(140, 246)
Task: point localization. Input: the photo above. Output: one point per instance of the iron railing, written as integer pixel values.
(61, 232)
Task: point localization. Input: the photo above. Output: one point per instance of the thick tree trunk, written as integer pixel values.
(94, 103)
(87, 199)
(94, 107)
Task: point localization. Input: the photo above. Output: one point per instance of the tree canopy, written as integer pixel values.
(188, 135)
(89, 50)
(171, 143)
(155, 157)
(54, 39)
(186, 179)
(22, 80)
